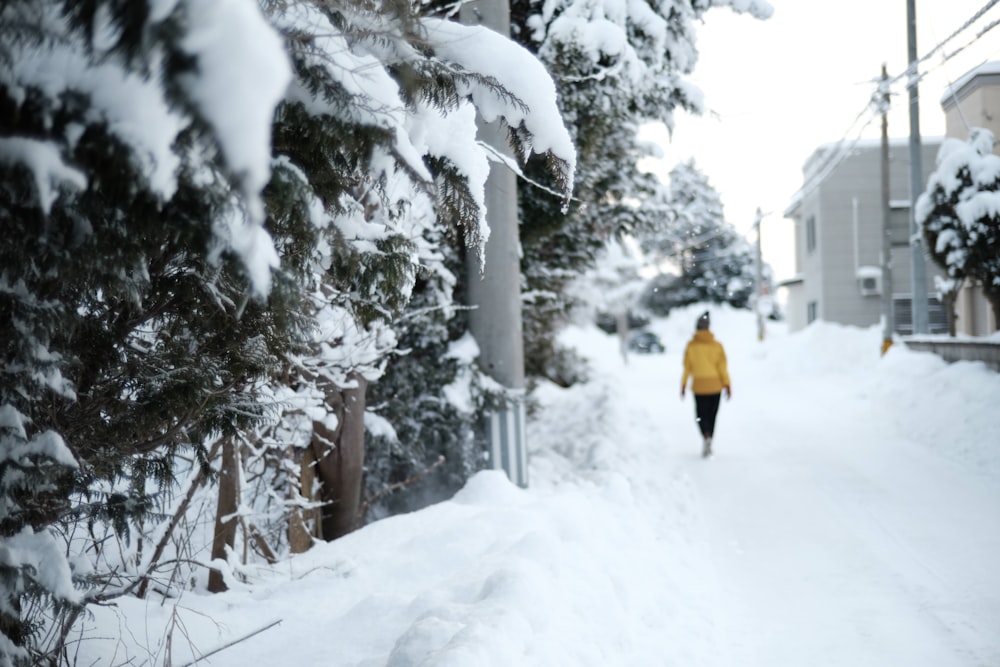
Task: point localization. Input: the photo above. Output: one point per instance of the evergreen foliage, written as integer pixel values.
(716, 264)
(607, 89)
(959, 217)
(131, 332)
(165, 286)
(392, 234)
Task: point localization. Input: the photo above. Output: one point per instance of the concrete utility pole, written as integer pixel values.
(888, 323)
(918, 271)
(495, 292)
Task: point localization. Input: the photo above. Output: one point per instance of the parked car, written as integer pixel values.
(634, 319)
(646, 342)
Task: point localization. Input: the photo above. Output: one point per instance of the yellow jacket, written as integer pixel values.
(705, 361)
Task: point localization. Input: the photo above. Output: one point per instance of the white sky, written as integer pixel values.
(778, 89)
(848, 518)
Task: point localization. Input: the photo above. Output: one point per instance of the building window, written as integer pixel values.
(902, 315)
(899, 224)
(811, 312)
(811, 234)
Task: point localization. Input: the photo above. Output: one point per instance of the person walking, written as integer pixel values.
(705, 365)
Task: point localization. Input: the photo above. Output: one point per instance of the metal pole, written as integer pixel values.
(917, 269)
(888, 324)
(495, 291)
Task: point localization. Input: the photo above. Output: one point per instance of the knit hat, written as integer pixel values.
(702, 321)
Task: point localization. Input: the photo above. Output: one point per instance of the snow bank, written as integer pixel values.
(610, 557)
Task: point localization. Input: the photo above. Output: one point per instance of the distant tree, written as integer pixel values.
(660, 295)
(714, 261)
(959, 214)
(617, 66)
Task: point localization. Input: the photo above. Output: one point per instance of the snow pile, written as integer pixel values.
(950, 408)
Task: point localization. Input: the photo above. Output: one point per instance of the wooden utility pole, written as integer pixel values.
(888, 323)
(495, 289)
(917, 268)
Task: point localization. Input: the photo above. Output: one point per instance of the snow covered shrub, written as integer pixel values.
(959, 215)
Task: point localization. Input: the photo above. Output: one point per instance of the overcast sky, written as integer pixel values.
(778, 89)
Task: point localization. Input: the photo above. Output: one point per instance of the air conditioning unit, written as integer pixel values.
(870, 280)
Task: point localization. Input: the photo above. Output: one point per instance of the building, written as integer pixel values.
(838, 237)
(974, 101)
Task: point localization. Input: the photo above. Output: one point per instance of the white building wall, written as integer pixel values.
(847, 206)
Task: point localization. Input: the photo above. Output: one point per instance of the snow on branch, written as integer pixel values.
(243, 73)
(44, 161)
(759, 9)
(481, 50)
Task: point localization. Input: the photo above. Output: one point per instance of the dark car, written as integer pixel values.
(646, 342)
(634, 319)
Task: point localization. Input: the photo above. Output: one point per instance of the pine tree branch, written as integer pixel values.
(399, 485)
(174, 520)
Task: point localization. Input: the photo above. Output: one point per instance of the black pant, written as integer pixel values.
(706, 406)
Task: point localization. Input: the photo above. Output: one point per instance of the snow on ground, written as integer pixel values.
(849, 518)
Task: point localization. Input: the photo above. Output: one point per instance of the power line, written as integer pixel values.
(911, 69)
(837, 153)
(951, 84)
(952, 54)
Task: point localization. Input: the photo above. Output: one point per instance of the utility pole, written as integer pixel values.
(917, 269)
(495, 289)
(888, 323)
(759, 278)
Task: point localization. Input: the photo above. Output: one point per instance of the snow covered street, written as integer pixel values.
(835, 552)
(835, 538)
(848, 518)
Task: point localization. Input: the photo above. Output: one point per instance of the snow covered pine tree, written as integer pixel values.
(386, 170)
(132, 320)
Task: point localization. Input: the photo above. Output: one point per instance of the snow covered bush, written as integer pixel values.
(959, 213)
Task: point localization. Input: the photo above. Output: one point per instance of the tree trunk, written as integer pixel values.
(948, 300)
(621, 325)
(174, 520)
(300, 531)
(340, 460)
(993, 296)
(225, 515)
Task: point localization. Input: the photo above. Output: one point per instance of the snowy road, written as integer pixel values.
(834, 539)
